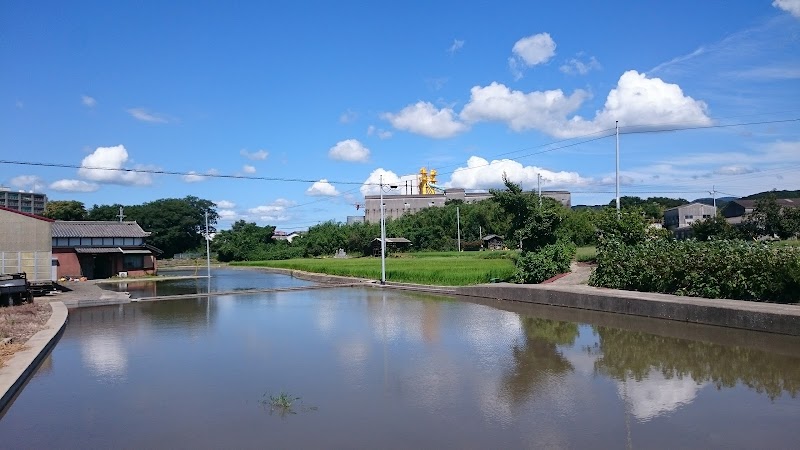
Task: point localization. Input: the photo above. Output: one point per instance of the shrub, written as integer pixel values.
(544, 263)
(712, 269)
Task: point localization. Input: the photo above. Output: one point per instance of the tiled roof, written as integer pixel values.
(68, 229)
(751, 204)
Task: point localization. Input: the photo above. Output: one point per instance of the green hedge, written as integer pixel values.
(712, 269)
(544, 263)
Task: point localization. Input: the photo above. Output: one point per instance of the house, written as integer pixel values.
(493, 242)
(97, 249)
(685, 215)
(737, 210)
(392, 244)
(25, 245)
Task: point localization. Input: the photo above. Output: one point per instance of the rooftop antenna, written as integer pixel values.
(121, 215)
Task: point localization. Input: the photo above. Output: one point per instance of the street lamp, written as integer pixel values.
(383, 233)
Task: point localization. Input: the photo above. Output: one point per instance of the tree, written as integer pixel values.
(628, 227)
(104, 212)
(766, 219)
(534, 220)
(243, 242)
(65, 210)
(714, 228)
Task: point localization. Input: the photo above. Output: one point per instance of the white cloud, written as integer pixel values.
(458, 44)
(380, 132)
(258, 155)
(348, 116)
(530, 51)
(26, 182)
(636, 101)
(734, 169)
(146, 116)
(273, 212)
(542, 110)
(112, 158)
(227, 215)
(225, 204)
(74, 186)
(89, 102)
(574, 66)
(657, 395)
(480, 174)
(193, 177)
(425, 119)
(372, 183)
(790, 6)
(349, 150)
(248, 169)
(322, 188)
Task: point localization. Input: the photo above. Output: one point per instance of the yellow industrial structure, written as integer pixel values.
(427, 182)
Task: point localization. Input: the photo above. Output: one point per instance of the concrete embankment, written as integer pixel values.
(21, 366)
(768, 317)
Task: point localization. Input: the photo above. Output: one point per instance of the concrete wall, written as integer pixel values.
(25, 245)
(686, 215)
(769, 317)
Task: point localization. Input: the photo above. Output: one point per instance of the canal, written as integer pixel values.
(391, 369)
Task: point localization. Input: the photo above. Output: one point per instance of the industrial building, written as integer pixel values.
(25, 245)
(27, 202)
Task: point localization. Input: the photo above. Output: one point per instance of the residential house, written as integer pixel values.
(25, 245)
(736, 211)
(685, 215)
(493, 242)
(284, 236)
(96, 249)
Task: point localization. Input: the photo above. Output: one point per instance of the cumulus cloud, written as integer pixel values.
(636, 101)
(458, 44)
(734, 169)
(425, 119)
(146, 116)
(112, 159)
(380, 132)
(225, 204)
(74, 186)
(322, 189)
(227, 215)
(258, 155)
(89, 102)
(248, 169)
(273, 212)
(480, 174)
(530, 51)
(26, 182)
(372, 183)
(575, 66)
(790, 6)
(657, 395)
(542, 110)
(349, 150)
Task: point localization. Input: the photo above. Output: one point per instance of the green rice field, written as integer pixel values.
(434, 268)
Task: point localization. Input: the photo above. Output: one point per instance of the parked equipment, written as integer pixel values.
(15, 289)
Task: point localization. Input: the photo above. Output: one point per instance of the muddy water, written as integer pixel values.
(377, 369)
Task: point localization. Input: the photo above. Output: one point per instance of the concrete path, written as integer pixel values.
(579, 275)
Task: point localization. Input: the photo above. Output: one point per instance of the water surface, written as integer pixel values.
(389, 369)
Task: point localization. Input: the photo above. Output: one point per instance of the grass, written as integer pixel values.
(431, 268)
(20, 323)
(586, 254)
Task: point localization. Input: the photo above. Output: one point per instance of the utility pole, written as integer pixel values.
(458, 227)
(208, 253)
(713, 193)
(480, 235)
(616, 127)
(383, 237)
(539, 187)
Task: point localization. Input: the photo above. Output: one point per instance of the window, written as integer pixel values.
(706, 216)
(74, 242)
(118, 241)
(688, 216)
(133, 262)
(128, 241)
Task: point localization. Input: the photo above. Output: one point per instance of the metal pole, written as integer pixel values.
(616, 126)
(208, 250)
(539, 187)
(458, 227)
(714, 195)
(383, 238)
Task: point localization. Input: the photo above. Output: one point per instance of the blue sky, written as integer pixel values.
(318, 99)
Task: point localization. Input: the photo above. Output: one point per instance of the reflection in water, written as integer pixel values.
(635, 355)
(387, 369)
(537, 359)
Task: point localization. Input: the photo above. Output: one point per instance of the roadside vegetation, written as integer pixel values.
(19, 323)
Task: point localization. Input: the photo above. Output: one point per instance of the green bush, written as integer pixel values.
(712, 269)
(544, 263)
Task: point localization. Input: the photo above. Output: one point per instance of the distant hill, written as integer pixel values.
(778, 194)
(721, 201)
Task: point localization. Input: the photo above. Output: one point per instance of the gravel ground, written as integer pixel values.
(20, 323)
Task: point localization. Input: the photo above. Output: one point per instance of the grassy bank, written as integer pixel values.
(435, 268)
